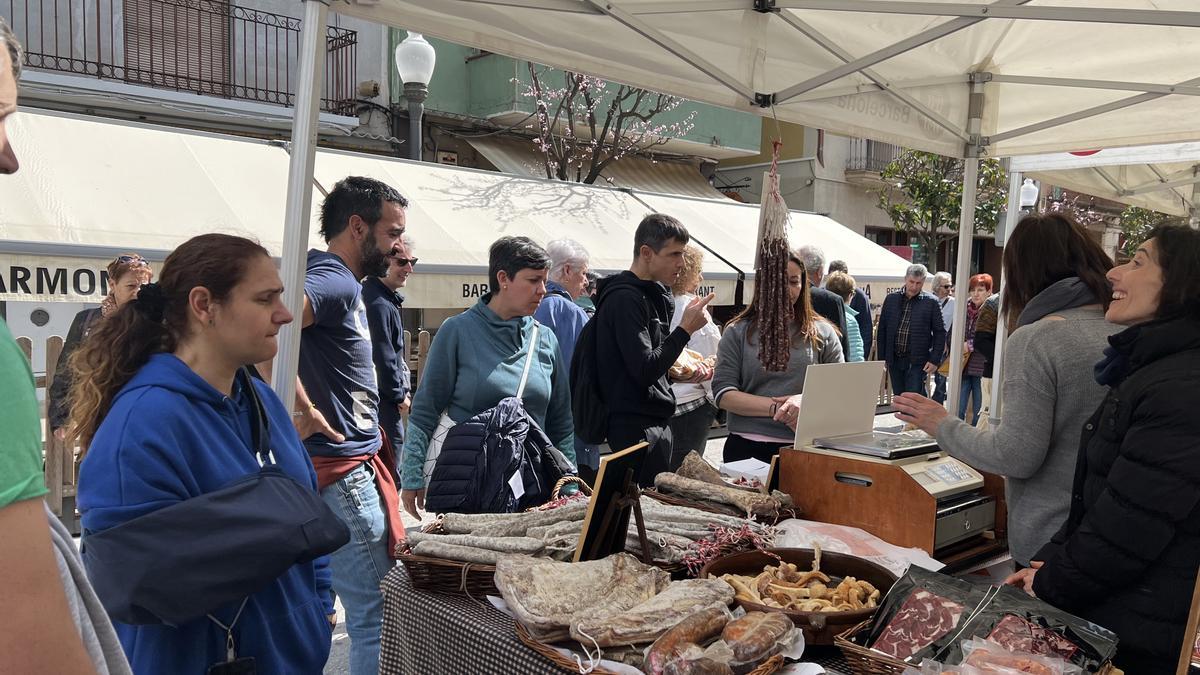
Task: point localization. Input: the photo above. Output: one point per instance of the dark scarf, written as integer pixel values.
(1061, 295)
(1143, 343)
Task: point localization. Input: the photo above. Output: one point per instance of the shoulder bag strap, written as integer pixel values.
(260, 428)
(533, 342)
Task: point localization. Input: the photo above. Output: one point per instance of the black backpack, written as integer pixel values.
(588, 408)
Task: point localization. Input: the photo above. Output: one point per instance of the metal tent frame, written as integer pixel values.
(665, 62)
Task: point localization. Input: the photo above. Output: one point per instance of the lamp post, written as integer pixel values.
(1029, 195)
(415, 59)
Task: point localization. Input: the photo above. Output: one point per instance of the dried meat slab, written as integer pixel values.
(548, 597)
(646, 621)
(1017, 634)
(923, 618)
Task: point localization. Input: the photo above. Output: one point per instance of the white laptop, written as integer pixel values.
(839, 399)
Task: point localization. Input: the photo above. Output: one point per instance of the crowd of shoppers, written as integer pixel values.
(1096, 444)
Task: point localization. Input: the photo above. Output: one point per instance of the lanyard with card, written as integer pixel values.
(232, 665)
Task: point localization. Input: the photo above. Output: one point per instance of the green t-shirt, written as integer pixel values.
(21, 439)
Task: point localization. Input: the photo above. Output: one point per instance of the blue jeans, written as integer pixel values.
(359, 566)
(971, 385)
(939, 387)
(908, 377)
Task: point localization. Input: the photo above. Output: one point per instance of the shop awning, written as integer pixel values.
(91, 189)
(519, 157)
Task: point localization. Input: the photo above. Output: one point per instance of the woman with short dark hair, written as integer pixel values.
(1128, 554)
(1054, 301)
(477, 359)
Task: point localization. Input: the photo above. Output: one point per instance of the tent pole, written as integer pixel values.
(966, 237)
(301, 161)
(994, 411)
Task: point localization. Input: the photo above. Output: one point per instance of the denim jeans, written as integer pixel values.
(908, 377)
(939, 387)
(972, 385)
(359, 566)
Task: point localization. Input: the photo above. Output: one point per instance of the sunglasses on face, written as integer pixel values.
(406, 261)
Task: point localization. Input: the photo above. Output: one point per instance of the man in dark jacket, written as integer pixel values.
(381, 295)
(635, 346)
(911, 335)
(827, 304)
(860, 304)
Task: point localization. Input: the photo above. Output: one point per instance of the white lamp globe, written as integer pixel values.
(415, 59)
(1029, 193)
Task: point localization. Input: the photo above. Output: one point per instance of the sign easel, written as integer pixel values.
(615, 498)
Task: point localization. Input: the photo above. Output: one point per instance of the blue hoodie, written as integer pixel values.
(171, 436)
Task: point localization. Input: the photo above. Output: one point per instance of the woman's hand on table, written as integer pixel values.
(413, 502)
(925, 413)
(1024, 578)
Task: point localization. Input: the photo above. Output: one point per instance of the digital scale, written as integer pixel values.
(897, 486)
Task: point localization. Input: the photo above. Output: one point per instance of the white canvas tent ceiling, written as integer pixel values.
(1053, 74)
(1159, 177)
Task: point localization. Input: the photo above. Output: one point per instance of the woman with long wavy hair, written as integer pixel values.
(163, 401)
(761, 404)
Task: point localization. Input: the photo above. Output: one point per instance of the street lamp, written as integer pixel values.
(414, 62)
(1029, 194)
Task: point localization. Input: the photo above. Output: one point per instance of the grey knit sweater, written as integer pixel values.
(738, 369)
(1049, 393)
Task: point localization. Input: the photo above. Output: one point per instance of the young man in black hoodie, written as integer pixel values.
(635, 346)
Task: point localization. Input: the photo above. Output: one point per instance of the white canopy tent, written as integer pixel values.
(965, 78)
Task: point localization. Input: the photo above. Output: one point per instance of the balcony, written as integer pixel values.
(867, 160)
(207, 47)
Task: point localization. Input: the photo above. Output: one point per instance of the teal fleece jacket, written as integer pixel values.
(476, 360)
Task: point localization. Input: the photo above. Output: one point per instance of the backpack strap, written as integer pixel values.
(528, 359)
(260, 428)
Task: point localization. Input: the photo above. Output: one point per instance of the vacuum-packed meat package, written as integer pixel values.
(920, 608)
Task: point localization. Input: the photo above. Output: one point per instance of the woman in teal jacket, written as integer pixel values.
(157, 399)
(477, 358)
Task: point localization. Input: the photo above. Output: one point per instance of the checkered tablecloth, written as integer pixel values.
(426, 633)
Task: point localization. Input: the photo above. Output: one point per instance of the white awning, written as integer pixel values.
(1050, 75)
(89, 190)
(520, 158)
(731, 229)
(1158, 177)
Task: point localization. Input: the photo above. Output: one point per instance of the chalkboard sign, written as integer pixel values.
(614, 498)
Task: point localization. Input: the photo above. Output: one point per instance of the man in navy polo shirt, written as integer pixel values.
(363, 221)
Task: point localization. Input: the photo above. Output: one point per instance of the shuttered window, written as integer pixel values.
(182, 45)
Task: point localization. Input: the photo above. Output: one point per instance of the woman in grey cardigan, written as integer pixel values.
(1054, 300)
(762, 405)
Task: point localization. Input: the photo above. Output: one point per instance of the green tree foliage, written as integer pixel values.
(923, 197)
(1136, 224)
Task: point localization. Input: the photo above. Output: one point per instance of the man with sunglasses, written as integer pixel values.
(943, 286)
(382, 297)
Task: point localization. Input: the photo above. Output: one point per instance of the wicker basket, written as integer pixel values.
(675, 500)
(448, 576)
(768, 667)
(865, 661)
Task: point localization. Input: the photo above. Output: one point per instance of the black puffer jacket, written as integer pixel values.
(475, 470)
(1128, 554)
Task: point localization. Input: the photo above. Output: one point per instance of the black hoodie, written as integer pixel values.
(635, 348)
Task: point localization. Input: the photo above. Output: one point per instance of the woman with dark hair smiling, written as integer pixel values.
(477, 359)
(1128, 554)
(1054, 303)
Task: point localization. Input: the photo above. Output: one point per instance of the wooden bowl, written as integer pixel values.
(819, 627)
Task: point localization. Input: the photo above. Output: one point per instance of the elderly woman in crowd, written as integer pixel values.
(126, 274)
(972, 375)
(559, 311)
(844, 285)
(694, 410)
(1055, 300)
(1127, 556)
(477, 359)
(762, 408)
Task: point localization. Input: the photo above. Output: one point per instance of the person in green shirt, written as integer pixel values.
(53, 621)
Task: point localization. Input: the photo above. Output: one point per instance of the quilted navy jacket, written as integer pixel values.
(927, 339)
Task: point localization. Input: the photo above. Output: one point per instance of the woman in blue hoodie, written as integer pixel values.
(477, 359)
(165, 419)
